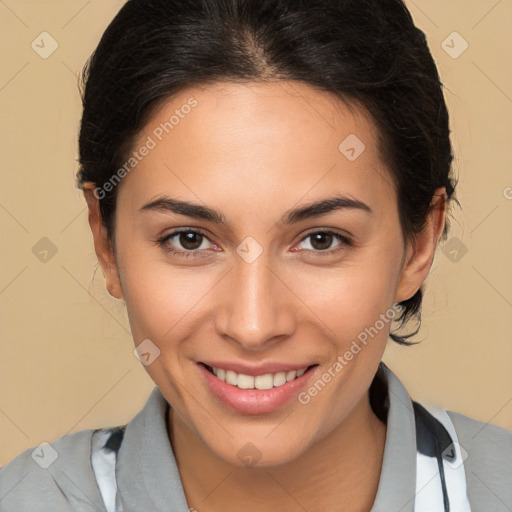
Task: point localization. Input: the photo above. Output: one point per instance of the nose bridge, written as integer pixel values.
(253, 309)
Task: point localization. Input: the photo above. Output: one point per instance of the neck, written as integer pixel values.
(341, 472)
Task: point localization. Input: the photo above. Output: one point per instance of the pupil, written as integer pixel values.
(318, 237)
(187, 240)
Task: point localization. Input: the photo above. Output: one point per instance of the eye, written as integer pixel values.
(191, 240)
(322, 240)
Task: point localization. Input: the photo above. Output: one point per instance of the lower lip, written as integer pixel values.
(254, 401)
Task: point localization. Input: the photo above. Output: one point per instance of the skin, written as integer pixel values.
(254, 151)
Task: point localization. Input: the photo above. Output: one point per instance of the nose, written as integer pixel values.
(255, 306)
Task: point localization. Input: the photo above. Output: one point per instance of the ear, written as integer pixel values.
(102, 245)
(420, 252)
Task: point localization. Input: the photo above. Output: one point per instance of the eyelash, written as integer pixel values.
(162, 242)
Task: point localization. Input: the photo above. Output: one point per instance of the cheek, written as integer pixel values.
(163, 301)
(350, 299)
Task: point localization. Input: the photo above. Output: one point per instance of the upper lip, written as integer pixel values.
(254, 370)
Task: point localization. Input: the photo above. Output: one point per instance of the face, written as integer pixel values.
(255, 278)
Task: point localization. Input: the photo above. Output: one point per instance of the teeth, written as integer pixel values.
(261, 381)
(291, 375)
(279, 379)
(267, 381)
(231, 377)
(245, 381)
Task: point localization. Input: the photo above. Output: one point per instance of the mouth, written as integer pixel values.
(258, 382)
(256, 394)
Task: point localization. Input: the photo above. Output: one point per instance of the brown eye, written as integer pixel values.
(321, 242)
(186, 243)
(190, 240)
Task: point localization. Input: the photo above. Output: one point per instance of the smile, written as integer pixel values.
(261, 389)
(266, 381)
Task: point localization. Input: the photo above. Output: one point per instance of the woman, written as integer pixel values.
(267, 182)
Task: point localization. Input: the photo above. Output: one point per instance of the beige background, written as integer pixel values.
(67, 358)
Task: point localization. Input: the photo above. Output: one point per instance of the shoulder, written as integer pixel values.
(55, 476)
(486, 443)
(488, 461)
(479, 434)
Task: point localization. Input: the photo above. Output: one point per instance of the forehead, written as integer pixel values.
(277, 141)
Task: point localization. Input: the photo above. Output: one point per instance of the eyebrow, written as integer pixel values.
(317, 209)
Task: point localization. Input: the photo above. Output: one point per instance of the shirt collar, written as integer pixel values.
(146, 459)
(397, 483)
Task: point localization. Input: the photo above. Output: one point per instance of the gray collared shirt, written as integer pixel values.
(132, 468)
